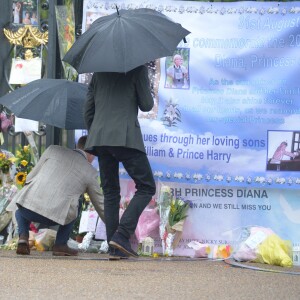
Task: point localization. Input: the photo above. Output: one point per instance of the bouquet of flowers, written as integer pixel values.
(173, 213)
(24, 164)
(5, 163)
(164, 205)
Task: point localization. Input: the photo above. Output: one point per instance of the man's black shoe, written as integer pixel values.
(116, 254)
(120, 242)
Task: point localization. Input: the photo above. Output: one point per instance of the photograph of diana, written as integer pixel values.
(17, 12)
(283, 150)
(177, 69)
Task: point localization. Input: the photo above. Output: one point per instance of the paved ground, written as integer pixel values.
(92, 276)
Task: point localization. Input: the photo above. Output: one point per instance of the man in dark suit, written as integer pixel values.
(111, 115)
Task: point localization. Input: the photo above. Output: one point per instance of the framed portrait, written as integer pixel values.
(177, 69)
(283, 150)
(25, 12)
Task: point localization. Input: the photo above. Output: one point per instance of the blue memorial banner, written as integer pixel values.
(230, 103)
(224, 131)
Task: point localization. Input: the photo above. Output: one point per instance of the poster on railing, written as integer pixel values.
(224, 133)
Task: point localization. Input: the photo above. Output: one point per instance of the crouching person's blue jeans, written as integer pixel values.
(25, 216)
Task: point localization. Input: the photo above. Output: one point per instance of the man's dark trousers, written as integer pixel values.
(138, 168)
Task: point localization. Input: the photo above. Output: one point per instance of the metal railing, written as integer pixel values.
(12, 139)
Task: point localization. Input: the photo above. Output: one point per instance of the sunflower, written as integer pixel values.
(21, 178)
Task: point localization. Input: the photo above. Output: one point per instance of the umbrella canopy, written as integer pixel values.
(124, 40)
(56, 102)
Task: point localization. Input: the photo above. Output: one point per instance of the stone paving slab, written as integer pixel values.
(92, 276)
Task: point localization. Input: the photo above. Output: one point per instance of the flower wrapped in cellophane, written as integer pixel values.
(177, 216)
(164, 206)
(173, 213)
(24, 163)
(148, 221)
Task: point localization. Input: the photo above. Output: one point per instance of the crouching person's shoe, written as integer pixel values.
(63, 250)
(23, 245)
(120, 242)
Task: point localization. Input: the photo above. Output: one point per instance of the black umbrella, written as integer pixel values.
(124, 40)
(56, 102)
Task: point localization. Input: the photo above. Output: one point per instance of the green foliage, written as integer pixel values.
(178, 211)
(83, 206)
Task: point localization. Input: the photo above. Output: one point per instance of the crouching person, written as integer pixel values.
(51, 195)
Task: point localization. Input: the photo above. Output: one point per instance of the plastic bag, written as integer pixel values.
(250, 239)
(259, 244)
(44, 239)
(148, 222)
(5, 219)
(275, 251)
(201, 250)
(210, 251)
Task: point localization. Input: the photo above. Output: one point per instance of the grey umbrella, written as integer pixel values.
(56, 102)
(124, 40)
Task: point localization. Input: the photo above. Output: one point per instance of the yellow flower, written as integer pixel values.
(24, 162)
(86, 197)
(173, 209)
(18, 153)
(2, 155)
(12, 159)
(26, 148)
(21, 178)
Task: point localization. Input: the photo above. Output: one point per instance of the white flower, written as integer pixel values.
(280, 180)
(178, 175)
(283, 12)
(260, 179)
(231, 11)
(273, 10)
(168, 174)
(179, 201)
(218, 177)
(239, 178)
(171, 112)
(295, 10)
(251, 10)
(165, 189)
(158, 174)
(197, 176)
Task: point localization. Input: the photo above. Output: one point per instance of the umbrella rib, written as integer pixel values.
(124, 47)
(92, 41)
(152, 35)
